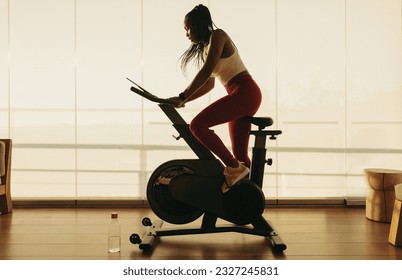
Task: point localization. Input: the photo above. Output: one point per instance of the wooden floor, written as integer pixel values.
(338, 233)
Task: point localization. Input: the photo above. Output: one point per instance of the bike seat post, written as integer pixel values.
(258, 160)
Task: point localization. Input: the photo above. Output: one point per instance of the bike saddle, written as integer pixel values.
(261, 122)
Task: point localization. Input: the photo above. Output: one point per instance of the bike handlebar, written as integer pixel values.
(144, 93)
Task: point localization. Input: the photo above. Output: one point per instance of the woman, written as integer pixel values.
(216, 52)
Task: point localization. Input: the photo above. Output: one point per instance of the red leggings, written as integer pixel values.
(243, 99)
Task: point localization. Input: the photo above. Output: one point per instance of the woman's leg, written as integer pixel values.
(243, 99)
(221, 111)
(239, 136)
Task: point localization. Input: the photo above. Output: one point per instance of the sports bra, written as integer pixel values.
(227, 67)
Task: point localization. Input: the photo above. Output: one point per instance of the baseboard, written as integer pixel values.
(142, 202)
(85, 203)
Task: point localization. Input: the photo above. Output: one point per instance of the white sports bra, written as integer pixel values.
(227, 67)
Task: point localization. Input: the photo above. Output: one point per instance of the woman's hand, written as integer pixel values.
(178, 103)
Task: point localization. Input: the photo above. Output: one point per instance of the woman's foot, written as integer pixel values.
(233, 175)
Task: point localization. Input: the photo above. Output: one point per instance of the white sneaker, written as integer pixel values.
(233, 175)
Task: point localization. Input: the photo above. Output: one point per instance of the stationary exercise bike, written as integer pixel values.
(182, 190)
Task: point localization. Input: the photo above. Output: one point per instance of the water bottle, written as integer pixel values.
(114, 233)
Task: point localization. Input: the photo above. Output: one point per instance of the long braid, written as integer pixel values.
(201, 24)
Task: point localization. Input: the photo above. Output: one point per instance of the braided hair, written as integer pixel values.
(200, 22)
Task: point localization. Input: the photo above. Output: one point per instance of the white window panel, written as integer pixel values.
(108, 185)
(4, 66)
(44, 184)
(109, 127)
(41, 54)
(374, 84)
(122, 158)
(108, 42)
(311, 59)
(40, 157)
(311, 186)
(4, 124)
(42, 126)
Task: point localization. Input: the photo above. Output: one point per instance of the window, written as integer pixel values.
(330, 73)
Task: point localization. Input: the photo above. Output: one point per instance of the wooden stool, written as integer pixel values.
(395, 231)
(381, 193)
(6, 205)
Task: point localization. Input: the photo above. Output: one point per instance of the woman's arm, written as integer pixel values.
(205, 88)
